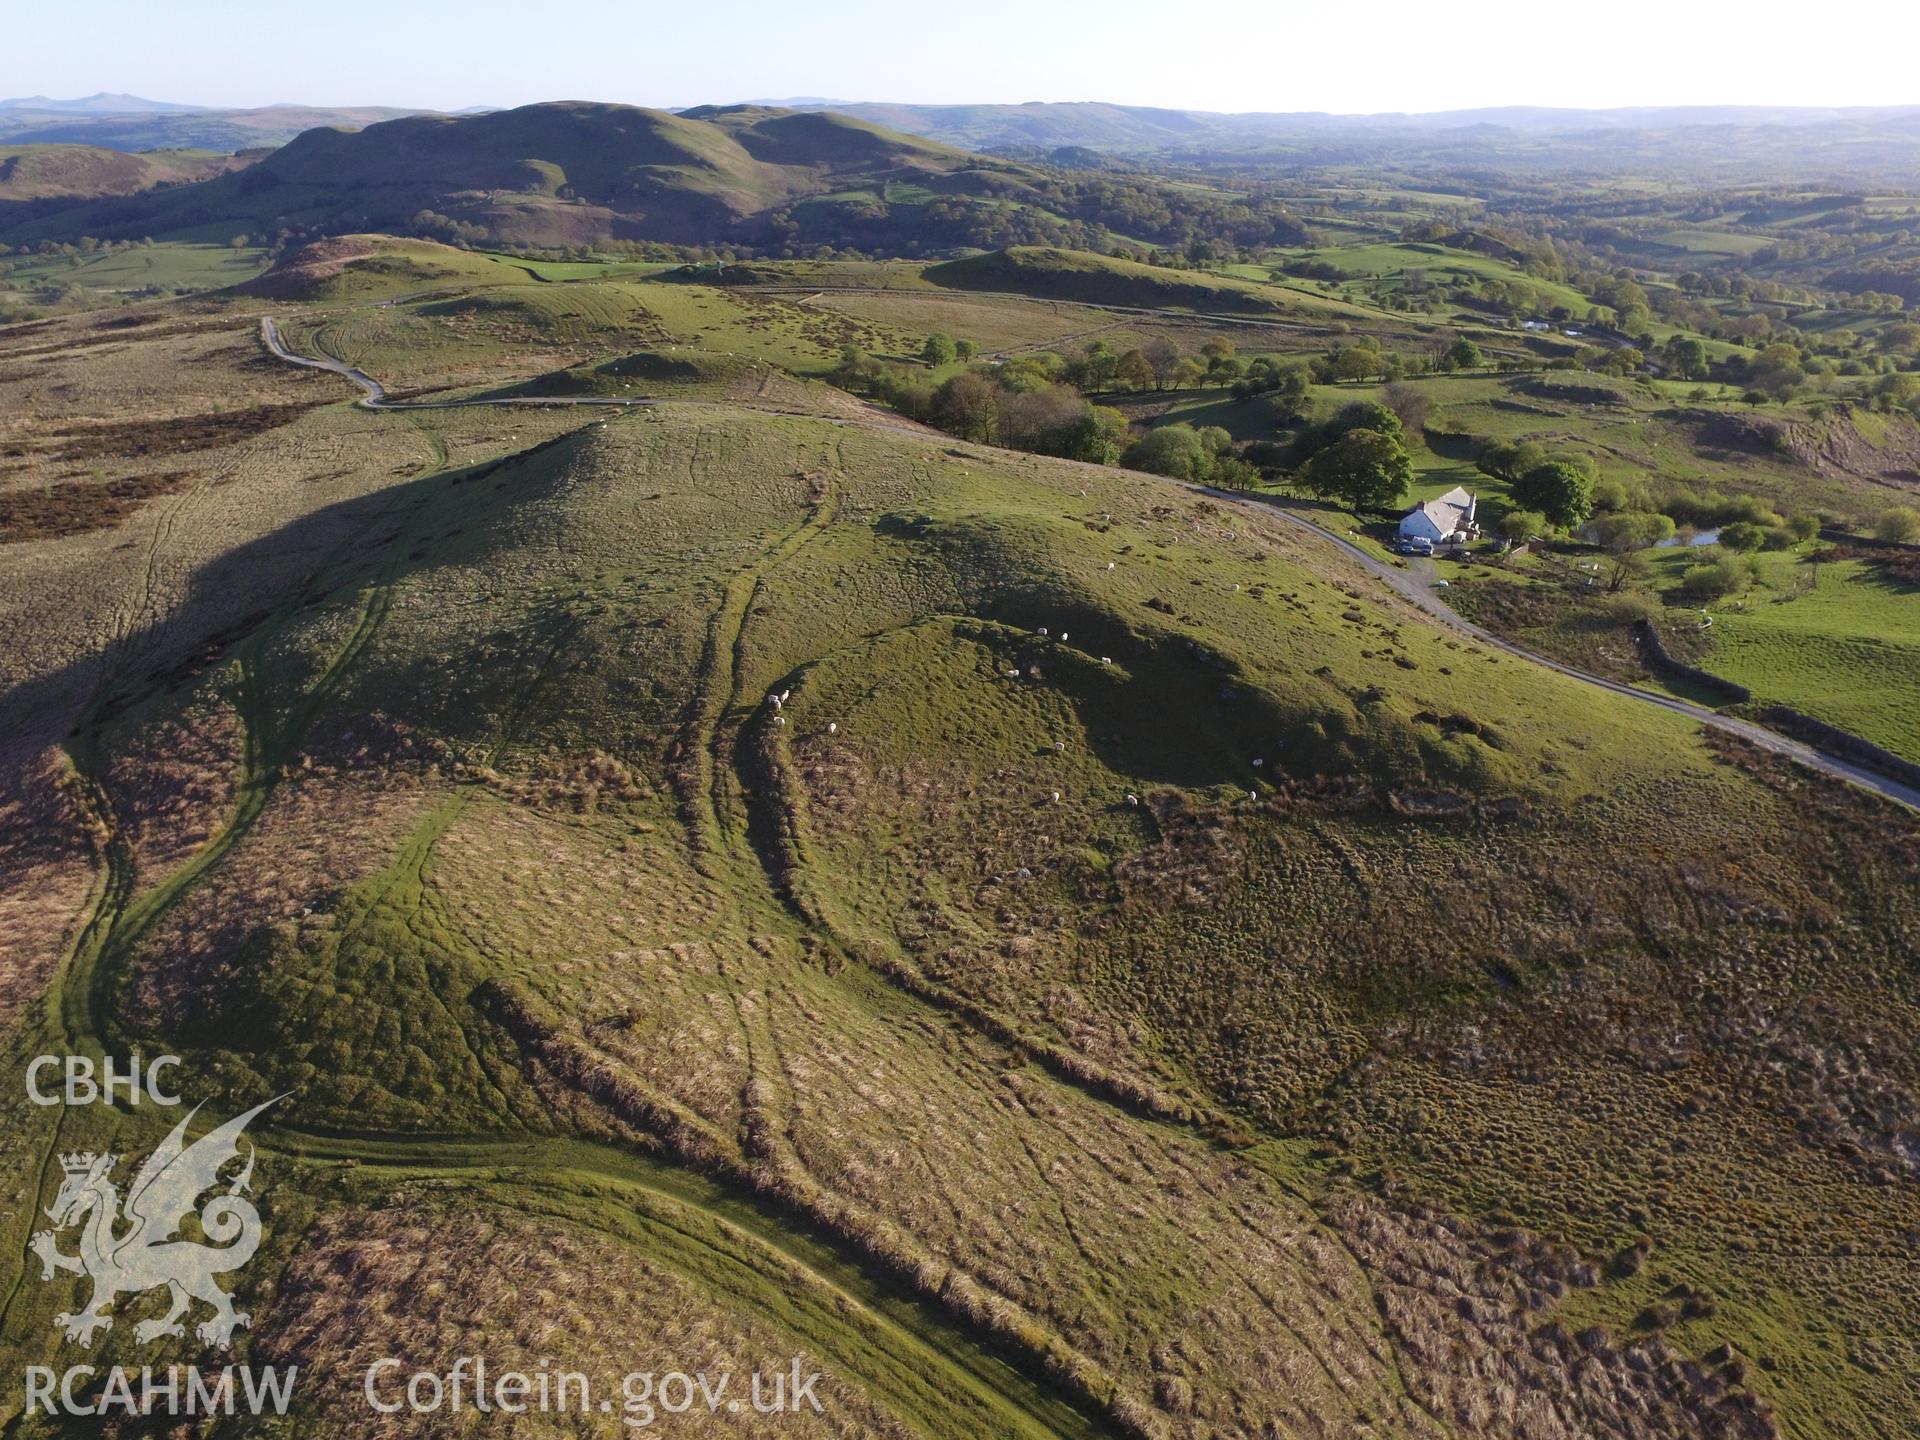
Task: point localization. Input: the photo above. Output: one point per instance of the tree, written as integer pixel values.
(1132, 372)
(1510, 462)
(968, 406)
(965, 349)
(939, 350)
(1357, 415)
(1898, 525)
(239, 242)
(1288, 389)
(1753, 398)
(1163, 359)
(1463, 354)
(1520, 526)
(1356, 363)
(1411, 404)
(1776, 371)
(1558, 489)
(1224, 370)
(1688, 357)
(1742, 536)
(1099, 436)
(1365, 469)
(1628, 533)
(1175, 450)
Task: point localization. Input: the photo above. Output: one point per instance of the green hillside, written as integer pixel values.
(1055, 274)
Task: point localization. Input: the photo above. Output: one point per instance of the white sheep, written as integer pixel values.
(1056, 797)
(1258, 762)
(1106, 659)
(784, 694)
(1043, 629)
(1132, 799)
(1059, 747)
(1253, 794)
(833, 727)
(780, 720)
(1013, 674)
(1063, 637)
(1110, 564)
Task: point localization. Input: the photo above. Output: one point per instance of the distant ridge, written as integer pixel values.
(103, 103)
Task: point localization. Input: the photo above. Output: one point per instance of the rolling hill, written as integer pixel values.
(661, 850)
(87, 172)
(764, 179)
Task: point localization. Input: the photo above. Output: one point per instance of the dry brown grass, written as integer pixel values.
(1469, 1317)
(427, 1282)
(49, 847)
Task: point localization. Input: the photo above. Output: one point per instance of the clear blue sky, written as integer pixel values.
(1228, 55)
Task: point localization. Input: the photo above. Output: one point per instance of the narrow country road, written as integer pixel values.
(1420, 592)
(376, 396)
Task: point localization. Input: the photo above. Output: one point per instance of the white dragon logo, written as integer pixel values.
(146, 1255)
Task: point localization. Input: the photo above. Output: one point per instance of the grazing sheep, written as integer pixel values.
(1063, 636)
(780, 720)
(1023, 873)
(1056, 797)
(1132, 799)
(1110, 564)
(1253, 794)
(784, 694)
(1258, 762)
(1013, 674)
(833, 727)
(1106, 659)
(1043, 629)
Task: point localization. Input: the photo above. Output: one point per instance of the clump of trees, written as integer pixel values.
(1022, 404)
(1204, 456)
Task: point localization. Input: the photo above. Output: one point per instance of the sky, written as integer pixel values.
(1279, 55)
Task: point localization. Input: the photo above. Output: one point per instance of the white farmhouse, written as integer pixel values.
(1440, 520)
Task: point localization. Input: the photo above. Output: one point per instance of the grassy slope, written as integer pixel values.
(68, 172)
(1846, 651)
(522, 850)
(1049, 273)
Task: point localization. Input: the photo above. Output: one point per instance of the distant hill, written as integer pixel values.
(180, 127)
(1760, 140)
(101, 104)
(747, 177)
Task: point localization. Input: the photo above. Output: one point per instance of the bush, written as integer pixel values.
(1629, 606)
(1898, 525)
(1743, 536)
(1521, 526)
(1714, 580)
